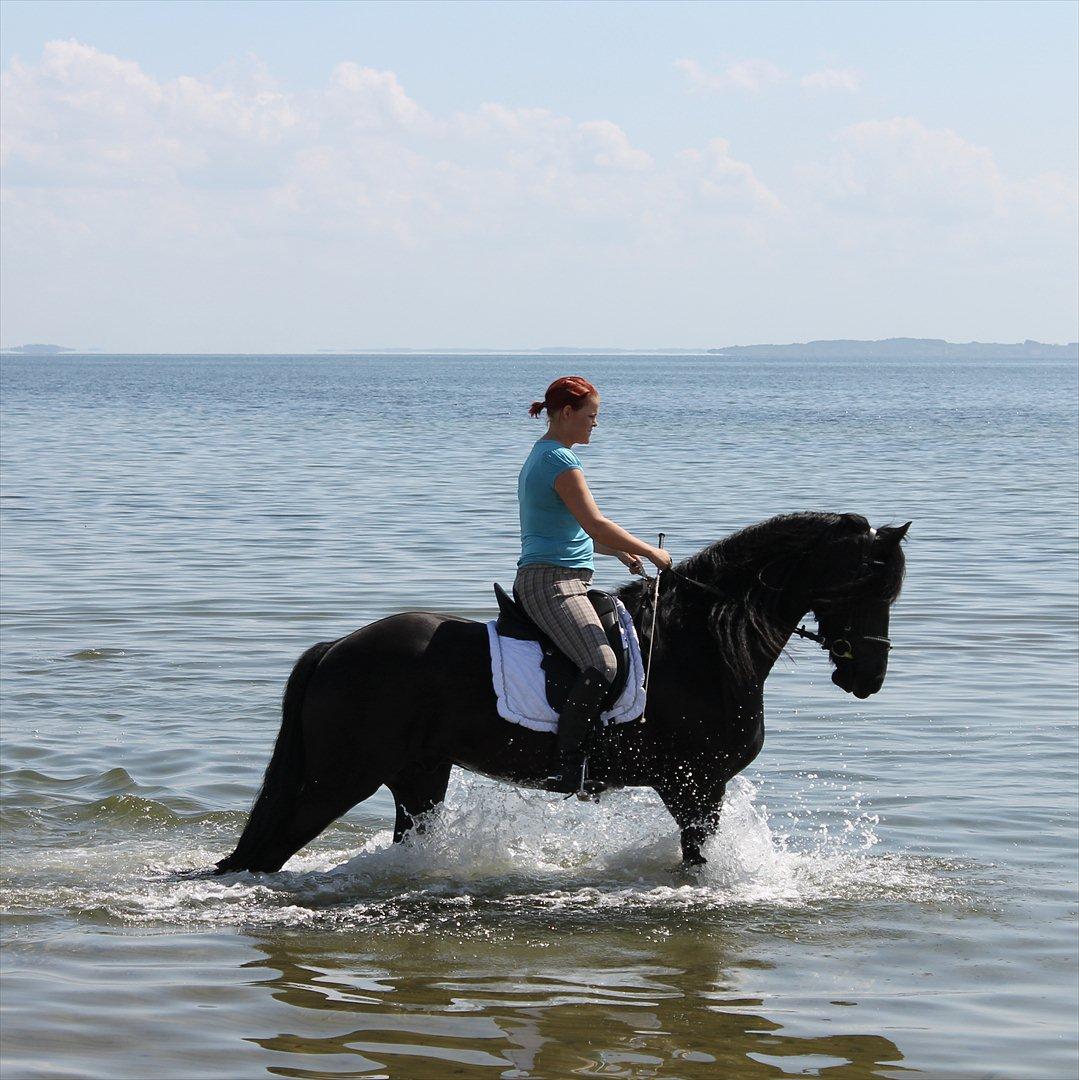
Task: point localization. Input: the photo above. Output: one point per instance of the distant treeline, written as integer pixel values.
(903, 349)
(842, 349)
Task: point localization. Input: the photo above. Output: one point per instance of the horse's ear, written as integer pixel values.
(890, 535)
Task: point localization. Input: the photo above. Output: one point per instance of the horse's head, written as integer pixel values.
(864, 572)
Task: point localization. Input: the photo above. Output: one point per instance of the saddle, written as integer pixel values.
(560, 672)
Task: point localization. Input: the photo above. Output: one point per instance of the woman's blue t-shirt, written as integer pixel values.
(549, 532)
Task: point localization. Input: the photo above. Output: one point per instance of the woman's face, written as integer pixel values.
(578, 423)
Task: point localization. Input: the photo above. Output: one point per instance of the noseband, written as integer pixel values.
(841, 648)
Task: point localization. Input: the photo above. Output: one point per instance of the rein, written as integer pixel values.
(693, 581)
(652, 635)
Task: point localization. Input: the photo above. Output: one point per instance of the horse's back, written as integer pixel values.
(407, 633)
(377, 691)
(419, 648)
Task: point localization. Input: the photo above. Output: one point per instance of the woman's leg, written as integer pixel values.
(557, 601)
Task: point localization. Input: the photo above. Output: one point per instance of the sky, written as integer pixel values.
(288, 177)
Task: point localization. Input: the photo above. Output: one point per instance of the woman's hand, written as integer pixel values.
(661, 558)
(636, 566)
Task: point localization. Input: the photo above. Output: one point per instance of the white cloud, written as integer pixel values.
(899, 166)
(612, 146)
(357, 155)
(227, 193)
(752, 76)
(898, 186)
(721, 178)
(82, 117)
(833, 79)
(749, 76)
(537, 139)
(371, 100)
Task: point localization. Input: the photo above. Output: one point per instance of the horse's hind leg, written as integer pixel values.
(313, 812)
(417, 790)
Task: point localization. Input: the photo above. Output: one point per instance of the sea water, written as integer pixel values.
(893, 888)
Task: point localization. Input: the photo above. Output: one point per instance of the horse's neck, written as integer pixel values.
(784, 616)
(781, 614)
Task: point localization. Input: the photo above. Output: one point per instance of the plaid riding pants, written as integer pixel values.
(556, 599)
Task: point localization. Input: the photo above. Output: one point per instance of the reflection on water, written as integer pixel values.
(416, 1006)
(596, 1007)
(521, 933)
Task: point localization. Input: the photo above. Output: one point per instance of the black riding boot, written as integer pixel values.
(578, 722)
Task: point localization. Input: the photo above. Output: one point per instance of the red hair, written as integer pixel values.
(569, 390)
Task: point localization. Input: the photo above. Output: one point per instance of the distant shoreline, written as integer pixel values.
(838, 349)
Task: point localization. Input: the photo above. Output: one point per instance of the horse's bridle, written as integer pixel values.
(841, 648)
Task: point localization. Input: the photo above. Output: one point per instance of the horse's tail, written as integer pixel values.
(276, 798)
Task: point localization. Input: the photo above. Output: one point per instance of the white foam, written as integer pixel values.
(514, 853)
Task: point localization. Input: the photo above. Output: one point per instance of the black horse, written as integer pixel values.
(406, 698)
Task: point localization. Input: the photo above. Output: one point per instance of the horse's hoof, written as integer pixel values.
(197, 874)
(694, 858)
(687, 871)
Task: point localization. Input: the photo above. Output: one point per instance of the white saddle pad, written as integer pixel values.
(520, 681)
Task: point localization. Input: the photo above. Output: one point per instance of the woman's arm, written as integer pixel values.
(573, 491)
(624, 557)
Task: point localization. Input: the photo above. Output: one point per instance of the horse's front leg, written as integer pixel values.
(416, 791)
(696, 808)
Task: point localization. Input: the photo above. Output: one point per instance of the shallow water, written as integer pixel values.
(894, 886)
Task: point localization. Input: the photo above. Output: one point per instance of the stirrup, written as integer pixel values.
(588, 790)
(581, 786)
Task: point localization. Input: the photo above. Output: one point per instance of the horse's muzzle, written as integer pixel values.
(850, 682)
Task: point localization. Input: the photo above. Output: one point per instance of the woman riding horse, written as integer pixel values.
(561, 529)
(402, 701)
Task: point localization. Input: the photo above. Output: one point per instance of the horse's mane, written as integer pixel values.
(743, 618)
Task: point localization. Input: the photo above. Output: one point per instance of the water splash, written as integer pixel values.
(506, 858)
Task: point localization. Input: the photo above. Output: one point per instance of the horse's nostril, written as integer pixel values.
(868, 687)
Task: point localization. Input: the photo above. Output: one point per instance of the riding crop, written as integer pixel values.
(652, 636)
